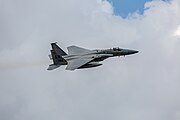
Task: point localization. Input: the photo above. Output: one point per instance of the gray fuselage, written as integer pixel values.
(99, 55)
(78, 57)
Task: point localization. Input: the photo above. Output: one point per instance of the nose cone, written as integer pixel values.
(133, 51)
(129, 52)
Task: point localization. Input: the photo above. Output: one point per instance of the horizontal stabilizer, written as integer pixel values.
(52, 67)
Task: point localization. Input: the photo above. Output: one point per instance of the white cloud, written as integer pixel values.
(105, 6)
(142, 86)
(177, 32)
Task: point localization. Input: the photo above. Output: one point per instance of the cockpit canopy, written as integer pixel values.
(117, 49)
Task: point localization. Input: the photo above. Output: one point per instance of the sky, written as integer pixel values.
(144, 86)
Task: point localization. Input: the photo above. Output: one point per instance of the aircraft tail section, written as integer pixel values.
(57, 49)
(52, 67)
(56, 56)
(57, 59)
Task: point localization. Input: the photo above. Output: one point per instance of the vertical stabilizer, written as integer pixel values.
(57, 49)
(56, 56)
(58, 59)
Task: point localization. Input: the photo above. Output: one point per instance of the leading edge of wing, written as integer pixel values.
(76, 63)
(74, 50)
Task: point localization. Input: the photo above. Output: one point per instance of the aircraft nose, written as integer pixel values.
(133, 51)
(129, 52)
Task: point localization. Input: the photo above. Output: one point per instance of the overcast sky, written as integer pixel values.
(144, 86)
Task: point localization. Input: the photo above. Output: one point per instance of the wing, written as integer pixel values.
(74, 50)
(76, 63)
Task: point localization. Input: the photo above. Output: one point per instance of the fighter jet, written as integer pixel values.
(79, 58)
